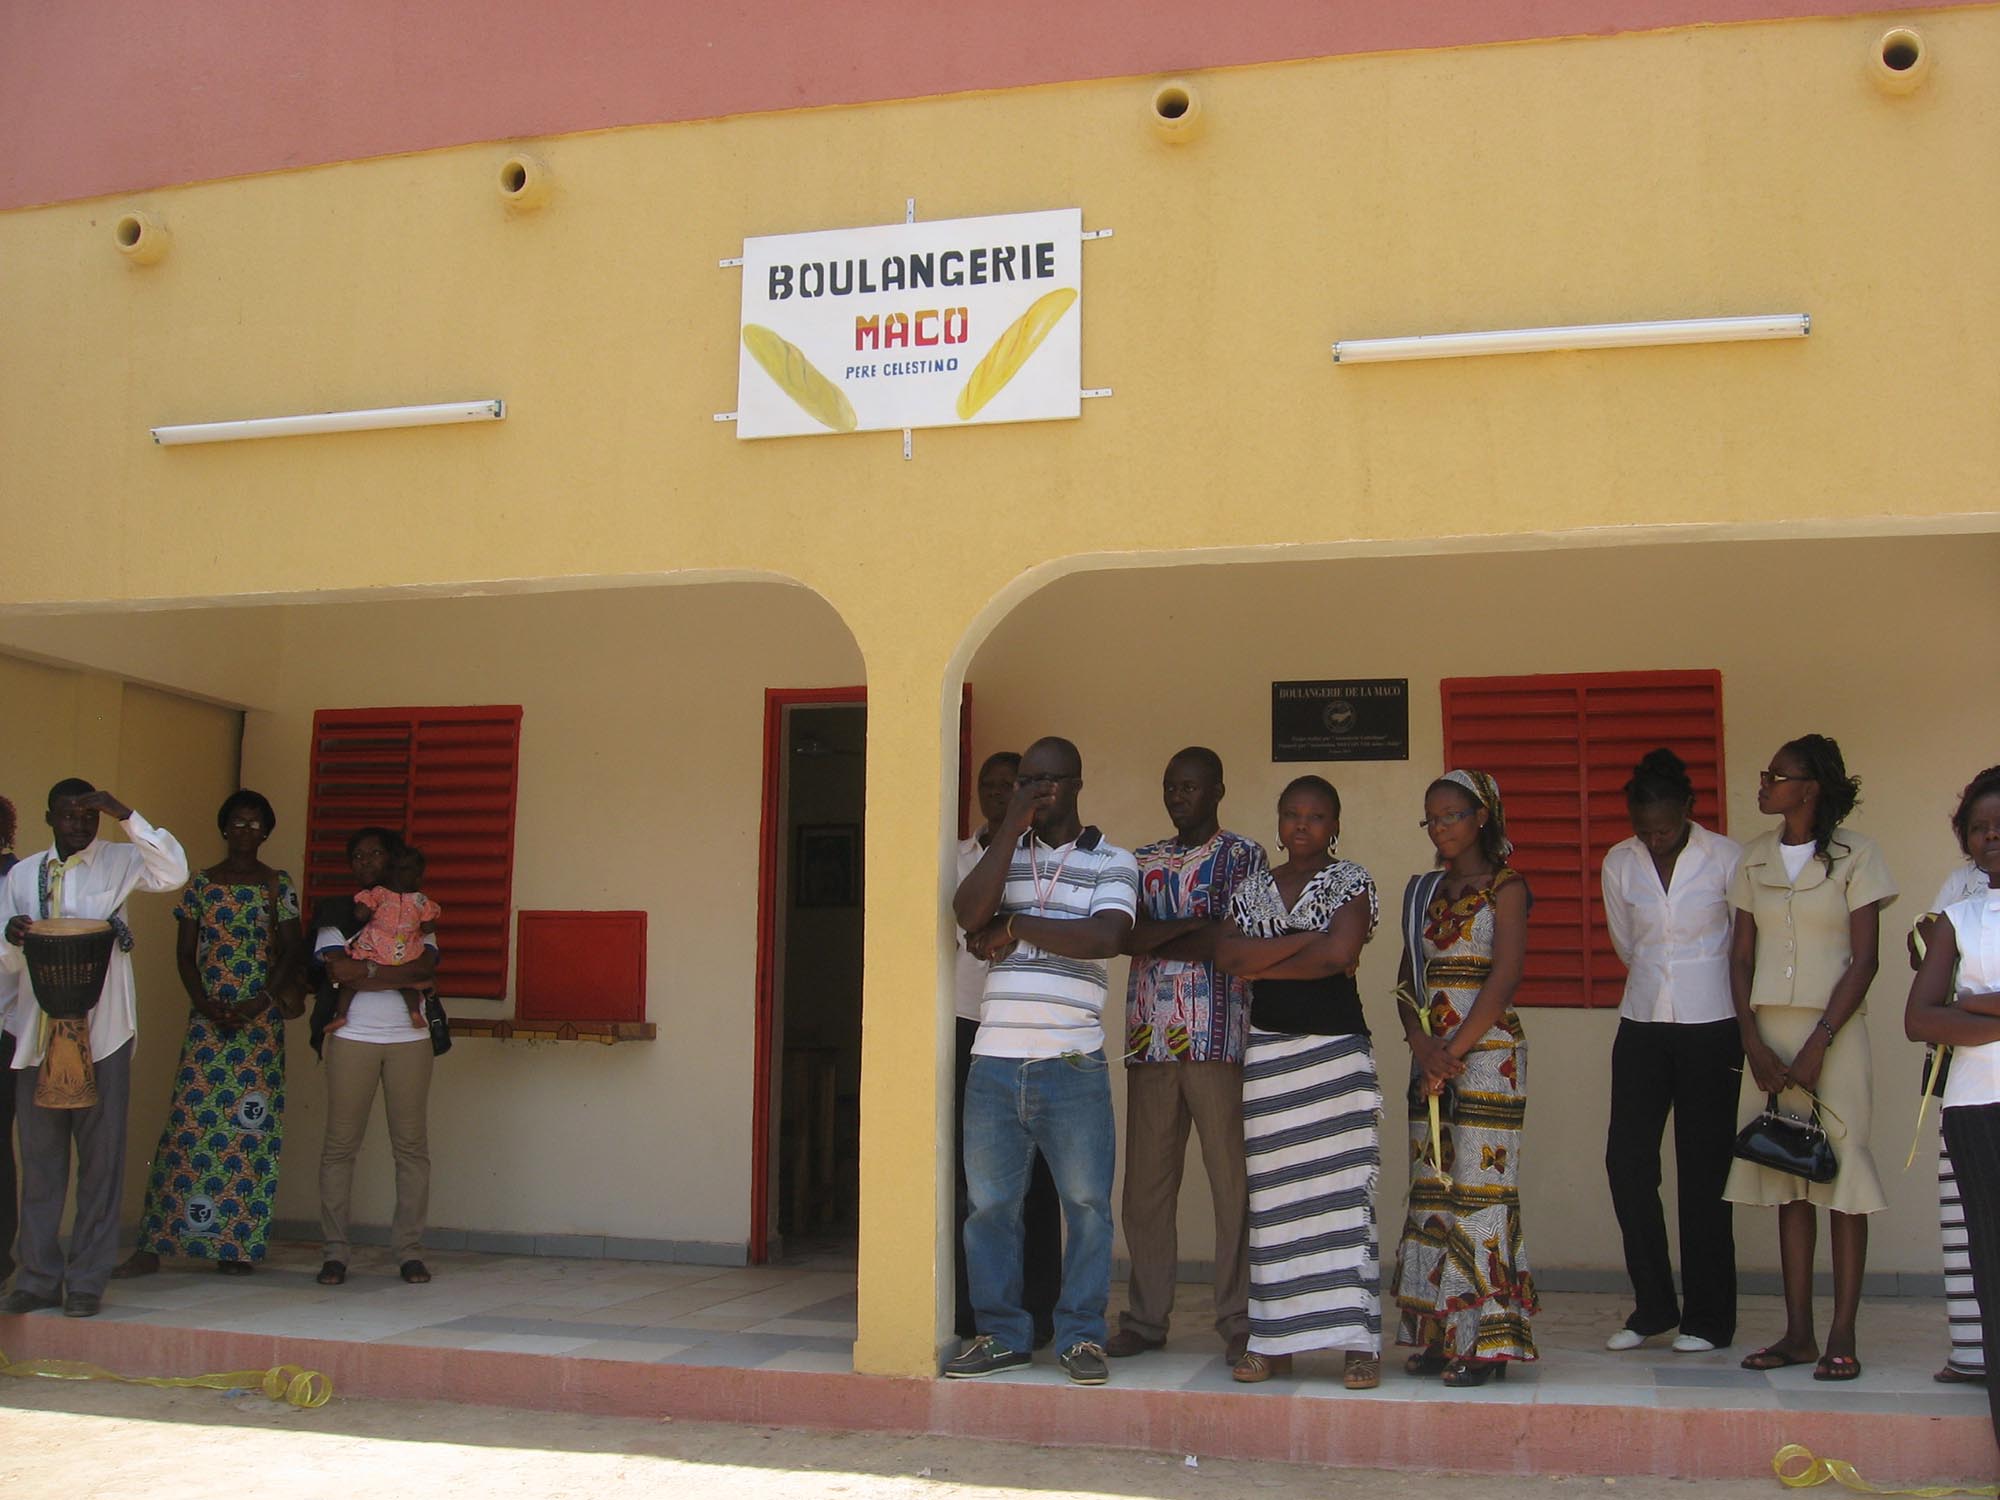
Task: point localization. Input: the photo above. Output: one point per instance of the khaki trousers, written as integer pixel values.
(1161, 1101)
(353, 1072)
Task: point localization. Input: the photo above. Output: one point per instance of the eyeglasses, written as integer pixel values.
(1772, 778)
(246, 823)
(1446, 820)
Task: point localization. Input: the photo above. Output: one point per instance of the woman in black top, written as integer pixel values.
(1311, 1102)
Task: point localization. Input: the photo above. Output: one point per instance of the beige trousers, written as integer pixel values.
(353, 1072)
(1161, 1101)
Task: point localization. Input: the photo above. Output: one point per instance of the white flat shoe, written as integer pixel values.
(1624, 1339)
(1688, 1343)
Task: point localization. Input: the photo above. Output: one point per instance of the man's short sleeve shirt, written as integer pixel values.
(1040, 1004)
(1187, 1010)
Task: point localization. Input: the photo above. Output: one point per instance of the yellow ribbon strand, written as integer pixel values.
(1938, 1054)
(292, 1384)
(1406, 996)
(1820, 1470)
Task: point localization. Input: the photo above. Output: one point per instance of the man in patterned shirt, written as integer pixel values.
(1185, 1027)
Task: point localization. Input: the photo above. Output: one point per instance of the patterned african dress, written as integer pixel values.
(1462, 1279)
(215, 1173)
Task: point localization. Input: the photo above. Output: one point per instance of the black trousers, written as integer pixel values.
(1694, 1073)
(1972, 1135)
(1041, 1222)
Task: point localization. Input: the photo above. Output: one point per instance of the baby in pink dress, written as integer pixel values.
(399, 916)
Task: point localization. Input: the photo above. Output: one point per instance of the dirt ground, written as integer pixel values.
(80, 1440)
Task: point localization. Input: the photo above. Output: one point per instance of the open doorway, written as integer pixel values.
(807, 1178)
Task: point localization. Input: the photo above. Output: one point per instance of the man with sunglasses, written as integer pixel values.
(1048, 902)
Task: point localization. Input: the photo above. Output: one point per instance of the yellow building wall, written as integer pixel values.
(1712, 170)
(1153, 660)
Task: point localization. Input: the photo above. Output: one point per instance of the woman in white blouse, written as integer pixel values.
(1678, 1051)
(1969, 939)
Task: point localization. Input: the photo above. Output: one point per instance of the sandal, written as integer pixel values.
(1363, 1372)
(234, 1267)
(1463, 1374)
(1253, 1367)
(414, 1272)
(1837, 1367)
(1949, 1376)
(332, 1273)
(1427, 1362)
(1772, 1358)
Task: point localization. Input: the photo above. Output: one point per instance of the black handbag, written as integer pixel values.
(440, 1024)
(1785, 1143)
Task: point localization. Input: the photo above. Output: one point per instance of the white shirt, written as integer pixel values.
(96, 885)
(1966, 881)
(1674, 942)
(969, 980)
(373, 1015)
(1975, 1071)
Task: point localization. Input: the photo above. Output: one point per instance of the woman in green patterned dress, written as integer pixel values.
(214, 1177)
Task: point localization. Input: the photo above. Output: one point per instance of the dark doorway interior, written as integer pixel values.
(819, 982)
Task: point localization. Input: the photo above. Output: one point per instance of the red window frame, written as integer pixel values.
(447, 780)
(1562, 747)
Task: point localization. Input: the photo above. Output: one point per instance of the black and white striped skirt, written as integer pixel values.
(1312, 1112)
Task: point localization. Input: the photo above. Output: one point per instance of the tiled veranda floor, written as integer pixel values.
(582, 1321)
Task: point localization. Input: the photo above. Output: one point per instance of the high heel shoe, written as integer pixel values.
(1462, 1374)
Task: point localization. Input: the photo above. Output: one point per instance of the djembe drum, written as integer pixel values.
(67, 959)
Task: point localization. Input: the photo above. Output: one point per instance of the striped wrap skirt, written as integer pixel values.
(1312, 1110)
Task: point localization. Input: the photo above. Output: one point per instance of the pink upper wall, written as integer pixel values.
(104, 96)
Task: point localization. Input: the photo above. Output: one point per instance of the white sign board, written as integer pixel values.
(940, 324)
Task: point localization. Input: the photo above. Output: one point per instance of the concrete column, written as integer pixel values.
(905, 1056)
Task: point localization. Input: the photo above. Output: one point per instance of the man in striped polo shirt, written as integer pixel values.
(1046, 905)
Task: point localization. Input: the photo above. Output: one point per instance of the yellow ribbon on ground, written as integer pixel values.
(292, 1384)
(1820, 1470)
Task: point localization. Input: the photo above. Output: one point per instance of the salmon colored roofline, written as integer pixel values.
(109, 96)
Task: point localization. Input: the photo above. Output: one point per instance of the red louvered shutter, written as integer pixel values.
(445, 778)
(1562, 748)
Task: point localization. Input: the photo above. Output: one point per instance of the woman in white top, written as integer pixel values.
(1969, 938)
(1966, 1363)
(1666, 901)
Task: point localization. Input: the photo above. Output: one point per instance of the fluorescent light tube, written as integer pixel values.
(1579, 336)
(333, 421)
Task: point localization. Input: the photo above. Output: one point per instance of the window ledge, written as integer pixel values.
(606, 1032)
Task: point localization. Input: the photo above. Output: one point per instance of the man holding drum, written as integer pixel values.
(80, 877)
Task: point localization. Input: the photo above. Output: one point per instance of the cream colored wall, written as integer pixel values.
(1133, 665)
(170, 757)
(640, 787)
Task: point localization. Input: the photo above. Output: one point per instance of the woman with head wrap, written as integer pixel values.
(1462, 1279)
(1809, 897)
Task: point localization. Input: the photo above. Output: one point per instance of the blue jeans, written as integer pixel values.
(1063, 1106)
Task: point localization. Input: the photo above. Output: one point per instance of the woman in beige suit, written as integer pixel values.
(1808, 898)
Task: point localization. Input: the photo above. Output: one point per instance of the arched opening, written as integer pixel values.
(641, 792)
(1134, 658)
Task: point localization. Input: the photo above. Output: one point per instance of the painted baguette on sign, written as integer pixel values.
(1011, 350)
(817, 396)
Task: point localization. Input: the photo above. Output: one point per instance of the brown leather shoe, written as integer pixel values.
(1125, 1343)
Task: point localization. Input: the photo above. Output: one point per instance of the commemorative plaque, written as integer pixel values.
(1345, 719)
